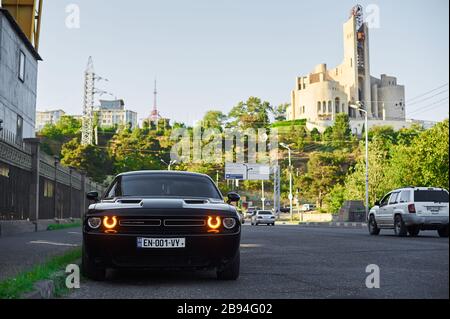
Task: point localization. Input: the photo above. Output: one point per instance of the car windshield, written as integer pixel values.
(163, 185)
(264, 212)
(436, 196)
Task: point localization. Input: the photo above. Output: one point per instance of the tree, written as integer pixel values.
(251, 114)
(424, 161)
(214, 119)
(88, 158)
(279, 112)
(324, 170)
(341, 131)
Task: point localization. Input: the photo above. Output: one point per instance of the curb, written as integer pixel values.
(335, 224)
(51, 288)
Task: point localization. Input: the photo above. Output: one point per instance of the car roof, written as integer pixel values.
(418, 188)
(149, 172)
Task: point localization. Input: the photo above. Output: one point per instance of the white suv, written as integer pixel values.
(410, 210)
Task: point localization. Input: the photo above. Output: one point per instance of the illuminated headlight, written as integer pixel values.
(229, 223)
(94, 222)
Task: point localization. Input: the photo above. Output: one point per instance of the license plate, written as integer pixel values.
(161, 242)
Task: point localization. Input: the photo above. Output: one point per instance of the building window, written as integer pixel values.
(49, 189)
(324, 107)
(304, 86)
(19, 129)
(330, 108)
(337, 104)
(351, 62)
(4, 170)
(22, 66)
(319, 107)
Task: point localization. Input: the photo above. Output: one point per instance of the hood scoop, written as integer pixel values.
(129, 201)
(195, 201)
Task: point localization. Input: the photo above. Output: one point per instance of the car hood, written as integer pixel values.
(161, 203)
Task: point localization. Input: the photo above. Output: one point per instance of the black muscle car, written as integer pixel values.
(156, 219)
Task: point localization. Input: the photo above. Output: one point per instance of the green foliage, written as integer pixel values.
(87, 158)
(341, 131)
(214, 119)
(289, 123)
(279, 112)
(250, 114)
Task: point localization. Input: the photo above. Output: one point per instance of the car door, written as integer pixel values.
(390, 208)
(381, 218)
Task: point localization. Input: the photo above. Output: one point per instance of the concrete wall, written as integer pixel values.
(16, 98)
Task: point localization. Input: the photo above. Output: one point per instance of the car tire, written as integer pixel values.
(373, 227)
(443, 232)
(399, 226)
(413, 231)
(231, 270)
(89, 269)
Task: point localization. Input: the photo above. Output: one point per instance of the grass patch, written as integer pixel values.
(14, 288)
(63, 226)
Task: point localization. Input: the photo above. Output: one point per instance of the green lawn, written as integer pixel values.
(14, 288)
(63, 226)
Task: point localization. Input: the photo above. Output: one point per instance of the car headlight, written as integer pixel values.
(94, 222)
(214, 222)
(110, 222)
(229, 223)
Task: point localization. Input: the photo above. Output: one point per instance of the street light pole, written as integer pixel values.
(366, 115)
(290, 180)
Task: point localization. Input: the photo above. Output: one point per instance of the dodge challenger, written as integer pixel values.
(156, 219)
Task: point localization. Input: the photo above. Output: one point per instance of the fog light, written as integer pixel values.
(110, 222)
(229, 223)
(94, 222)
(214, 222)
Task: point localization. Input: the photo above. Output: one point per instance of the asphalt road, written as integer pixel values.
(21, 252)
(301, 262)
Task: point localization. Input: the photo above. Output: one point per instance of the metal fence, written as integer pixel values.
(35, 186)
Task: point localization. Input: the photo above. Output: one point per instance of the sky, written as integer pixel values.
(211, 54)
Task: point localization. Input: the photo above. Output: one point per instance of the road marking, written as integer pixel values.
(74, 233)
(250, 245)
(44, 242)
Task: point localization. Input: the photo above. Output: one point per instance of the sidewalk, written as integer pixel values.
(335, 224)
(21, 252)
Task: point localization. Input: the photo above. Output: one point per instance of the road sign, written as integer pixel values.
(243, 171)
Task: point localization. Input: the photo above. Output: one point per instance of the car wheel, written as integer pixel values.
(231, 270)
(399, 226)
(443, 232)
(373, 227)
(89, 269)
(413, 231)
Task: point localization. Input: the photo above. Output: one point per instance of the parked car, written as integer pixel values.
(241, 216)
(308, 207)
(410, 210)
(250, 212)
(263, 217)
(155, 219)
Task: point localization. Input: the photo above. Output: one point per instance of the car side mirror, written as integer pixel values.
(233, 198)
(93, 196)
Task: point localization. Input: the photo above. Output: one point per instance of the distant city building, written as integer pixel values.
(18, 78)
(112, 113)
(323, 93)
(48, 117)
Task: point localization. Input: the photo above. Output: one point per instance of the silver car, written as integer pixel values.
(263, 217)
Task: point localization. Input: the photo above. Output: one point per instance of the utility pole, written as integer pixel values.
(291, 197)
(359, 107)
(87, 132)
(263, 200)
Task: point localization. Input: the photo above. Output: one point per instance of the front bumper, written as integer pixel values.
(426, 222)
(121, 251)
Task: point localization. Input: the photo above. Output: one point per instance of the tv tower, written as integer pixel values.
(154, 115)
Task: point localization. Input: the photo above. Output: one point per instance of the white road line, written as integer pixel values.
(44, 242)
(74, 233)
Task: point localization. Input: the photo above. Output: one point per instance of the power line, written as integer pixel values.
(423, 94)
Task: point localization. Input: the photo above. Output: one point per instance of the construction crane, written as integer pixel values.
(27, 14)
